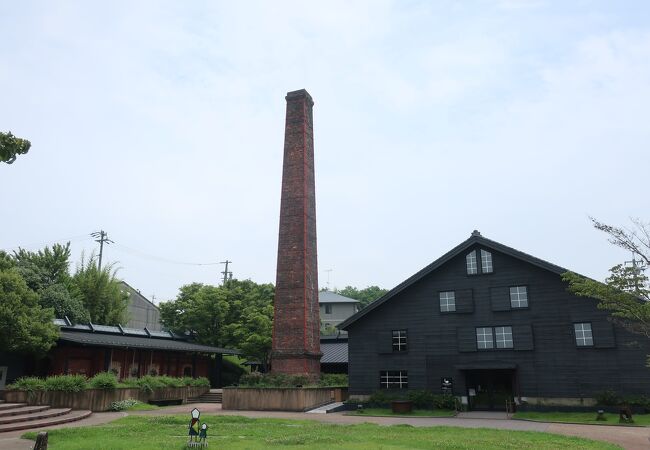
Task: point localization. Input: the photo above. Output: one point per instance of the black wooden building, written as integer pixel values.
(491, 323)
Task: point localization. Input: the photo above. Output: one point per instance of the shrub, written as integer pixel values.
(273, 380)
(103, 380)
(608, 398)
(29, 384)
(197, 382)
(444, 401)
(422, 399)
(333, 380)
(382, 399)
(123, 404)
(67, 383)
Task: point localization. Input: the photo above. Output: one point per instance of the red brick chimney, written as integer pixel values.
(296, 320)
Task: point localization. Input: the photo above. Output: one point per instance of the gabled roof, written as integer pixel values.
(474, 239)
(333, 297)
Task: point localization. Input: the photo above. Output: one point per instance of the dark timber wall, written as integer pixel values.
(548, 362)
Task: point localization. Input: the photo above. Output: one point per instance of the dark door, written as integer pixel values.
(489, 389)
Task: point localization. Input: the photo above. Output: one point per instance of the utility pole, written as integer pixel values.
(328, 277)
(101, 237)
(637, 268)
(226, 275)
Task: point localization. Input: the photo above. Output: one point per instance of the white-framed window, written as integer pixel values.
(584, 336)
(393, 379)
(486, 261)
(518, 297)
(328, 308)
(503, 336)
(447, 301)
(484, 339)
(399, 341)
(472, 266)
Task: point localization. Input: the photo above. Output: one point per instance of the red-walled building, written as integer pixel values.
(129, 352)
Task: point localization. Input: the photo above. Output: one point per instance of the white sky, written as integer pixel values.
(162, 123)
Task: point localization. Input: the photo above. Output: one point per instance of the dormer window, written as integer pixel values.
(472, 266)
(486, 262)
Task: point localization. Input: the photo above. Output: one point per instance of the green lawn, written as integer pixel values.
(236, 432)
(381, 412)
(581, 417)
(142, 407)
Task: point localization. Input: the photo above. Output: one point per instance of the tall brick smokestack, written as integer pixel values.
(296, 320)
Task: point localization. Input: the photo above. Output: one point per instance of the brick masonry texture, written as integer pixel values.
(296, 323)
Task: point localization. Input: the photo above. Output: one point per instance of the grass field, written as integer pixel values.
(387, 412)
(582, 417)
(235, 432)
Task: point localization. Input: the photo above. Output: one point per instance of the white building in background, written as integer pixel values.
(335, 308)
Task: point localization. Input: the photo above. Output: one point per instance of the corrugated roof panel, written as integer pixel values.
(334, 352)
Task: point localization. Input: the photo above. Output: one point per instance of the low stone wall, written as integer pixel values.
(280, 399)
(100, 399)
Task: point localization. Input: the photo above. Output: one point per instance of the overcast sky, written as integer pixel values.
(163, 124)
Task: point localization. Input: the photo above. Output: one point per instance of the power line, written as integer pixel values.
(160, 258)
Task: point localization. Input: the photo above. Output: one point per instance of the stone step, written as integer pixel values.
(23, 410)
(65, 418)
(5, 406)
(52, 412)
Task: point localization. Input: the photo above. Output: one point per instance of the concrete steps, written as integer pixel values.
(18, 416)
(213, 396)
(23, 410)
(7, 406)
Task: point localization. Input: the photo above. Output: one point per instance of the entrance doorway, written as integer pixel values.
(488, 390)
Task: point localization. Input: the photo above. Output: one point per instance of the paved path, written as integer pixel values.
(630, 438)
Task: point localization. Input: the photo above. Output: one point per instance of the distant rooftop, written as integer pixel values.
(332, 297)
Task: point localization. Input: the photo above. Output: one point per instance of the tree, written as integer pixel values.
(365, 296)
(100, 292)
(46, 273)
(24, 325)
(626, 292)
(237, 315)
(11, 146)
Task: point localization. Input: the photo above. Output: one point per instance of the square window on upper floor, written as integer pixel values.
(518, 297)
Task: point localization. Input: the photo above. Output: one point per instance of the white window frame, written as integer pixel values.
(584, 334)
(486, 262)
(472, 263)
(503, 337)
(328, 308)
(393, 379)
(447, 301)
(482, 335)
(518, 297)
(400, 342)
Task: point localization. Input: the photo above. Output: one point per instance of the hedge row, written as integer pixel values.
(103, 380)
(280, 380)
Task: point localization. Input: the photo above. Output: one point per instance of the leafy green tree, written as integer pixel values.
(237, 315)
(24, 325)
(100, 292)
(626, 292)
(365, 296)
(11, 146)
(46, 273)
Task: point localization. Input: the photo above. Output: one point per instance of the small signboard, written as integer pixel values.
(447, 385)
